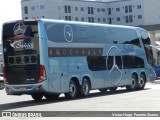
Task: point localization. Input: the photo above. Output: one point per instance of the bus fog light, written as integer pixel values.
(39, 86)
(43, 78)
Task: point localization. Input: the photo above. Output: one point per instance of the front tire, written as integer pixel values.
(37, 97)
(72, 94)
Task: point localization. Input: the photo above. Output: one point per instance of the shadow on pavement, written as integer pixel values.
(8, 106)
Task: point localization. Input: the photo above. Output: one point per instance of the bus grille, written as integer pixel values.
(22, 60)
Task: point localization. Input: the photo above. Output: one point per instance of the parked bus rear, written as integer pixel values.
(21, 54)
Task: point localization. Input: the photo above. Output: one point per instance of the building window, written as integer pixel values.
(109, 11)
(99, 19)
(33, 8)
(67, 9)
(98, 9)
(130, 18)
(76, 8)
(26, 18)
(103, 10)
(110, 20)
(82, 8)
(82, 19)
(139, 16)
(130, 8)
(25, 10)
(90, 10)
(104, 20)
(76, 18)
(126, 19)
(117, 9)
(68, 18)
(41, 7)
(138, 6)
(118, 19)
(126, 9)
(91, 19)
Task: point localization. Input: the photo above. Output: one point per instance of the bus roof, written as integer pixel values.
(90, 24)
(78, 22)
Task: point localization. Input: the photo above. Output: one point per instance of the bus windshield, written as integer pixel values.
(21, 51)
(148, 50)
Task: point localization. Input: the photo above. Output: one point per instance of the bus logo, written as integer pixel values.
(68, 33)
(23, 45)
(19, 29)
(116, 70)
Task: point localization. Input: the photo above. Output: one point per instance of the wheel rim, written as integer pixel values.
(133, 85)
(72, 90)
(85, 88)
(141, 82)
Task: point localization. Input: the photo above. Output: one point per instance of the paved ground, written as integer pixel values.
(144, 100)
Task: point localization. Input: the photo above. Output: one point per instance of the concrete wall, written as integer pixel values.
(151, 12)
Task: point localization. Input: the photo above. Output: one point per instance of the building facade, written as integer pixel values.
(122, 12)
(144, 13)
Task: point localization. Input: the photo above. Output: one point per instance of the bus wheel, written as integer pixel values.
(37, 97)
(85, 88)
(113, 89)
(1, 85)
(141, 83)
(72, 90)
(133, 85)
(103, 90)
(51, 96)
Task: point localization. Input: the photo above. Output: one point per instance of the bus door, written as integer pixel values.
(54, 75)
(58, 75)
(64, 74)
(115, 66)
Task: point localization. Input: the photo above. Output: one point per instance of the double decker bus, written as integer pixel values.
(51, 57)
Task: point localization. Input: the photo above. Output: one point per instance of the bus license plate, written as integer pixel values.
(23, 88)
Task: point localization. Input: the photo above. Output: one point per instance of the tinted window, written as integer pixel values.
(118, 62)
(96, 63)
(133, 62)
(76, 33)
(60, 32)
(21, 36)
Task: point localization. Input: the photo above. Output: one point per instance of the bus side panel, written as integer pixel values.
(54, 75)
(64, 79)
(43, 49)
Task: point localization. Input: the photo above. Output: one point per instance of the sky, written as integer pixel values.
(9, 10)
